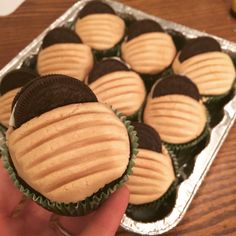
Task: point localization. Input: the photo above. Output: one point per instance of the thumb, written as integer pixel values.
(107, 218)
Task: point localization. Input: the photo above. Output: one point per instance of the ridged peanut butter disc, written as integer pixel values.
(100, 31)
(5, 106)
(70, 152)
(124, 90)
(152, 176)
(212, 72)
(72, 59)
(149, 53)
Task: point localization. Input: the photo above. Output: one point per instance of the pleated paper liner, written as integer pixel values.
(3, 131)
(160, 208)
(90, 203)
(215, 105)
(186, 153)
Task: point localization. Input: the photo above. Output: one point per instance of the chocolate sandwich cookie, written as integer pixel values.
(212, 70)
(63, 52)
(115, 84)
(100, 28)
(10, 85)
(152, 183)
(65, 150)
(147, 48)
(175, 110)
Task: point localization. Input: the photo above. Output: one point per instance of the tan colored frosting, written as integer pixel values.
(70, 59)
(177, 118)
(149, 53)
(212, 72)
(100, 31)
(124, 90)
(152, 175)
(69, 153)
(5, 106)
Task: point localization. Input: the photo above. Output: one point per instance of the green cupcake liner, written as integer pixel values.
(3, 130)
(90, 203)
(188, 151)
(160, 208)
(215, 105)
(113, 52)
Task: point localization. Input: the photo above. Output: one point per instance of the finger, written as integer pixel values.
(107, 218)
(10, 196)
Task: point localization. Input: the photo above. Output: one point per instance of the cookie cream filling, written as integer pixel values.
(5, 106)
(212, 72)
(70, 152)
(70, 59)
(152, 175)
(177, 118)
(124, 90)
(149, 53)
(100, 31)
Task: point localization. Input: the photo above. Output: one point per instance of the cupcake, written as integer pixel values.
(115, 84)
(10, 85)
(175, 110)
(212, 70)
(148, 49)
(100, 28)
(67, 151)
(152, 184)
(62, 52)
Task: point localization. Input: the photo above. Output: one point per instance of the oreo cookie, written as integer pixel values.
(148, 138)
(176, 84)
(16, 79)
(60, 35)
(49, 92)
(142, 27)
(105, 67)
(96, 7)
(198, 46)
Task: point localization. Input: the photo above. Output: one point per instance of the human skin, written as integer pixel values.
(20, 216)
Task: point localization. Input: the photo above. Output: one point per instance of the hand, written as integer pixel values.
(22, 217)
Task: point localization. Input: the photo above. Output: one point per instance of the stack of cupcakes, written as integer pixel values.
(69, 144)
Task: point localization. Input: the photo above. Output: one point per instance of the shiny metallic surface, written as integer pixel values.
(189, 187)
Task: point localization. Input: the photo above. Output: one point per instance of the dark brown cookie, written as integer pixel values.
(96, 7)
(60, 35)
(197, 46)
(148, 138)
(176, 84)
(141, 27)
(16, 79)
(49, 92)
(105, 67)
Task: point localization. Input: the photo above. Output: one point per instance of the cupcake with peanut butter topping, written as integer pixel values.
(212, 70)
(10, 85)
(175, 110)
(115, 84)
(64, 53)
(152, 183)
(67, 151)
(148, 49)
(100, 28)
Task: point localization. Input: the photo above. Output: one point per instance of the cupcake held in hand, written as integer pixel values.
(148, 49)
(63, 53)
(67, 151)
(10, 85)
(152, 184)
(115, 84)
(100, 28)
(175, 110)
(212, 70)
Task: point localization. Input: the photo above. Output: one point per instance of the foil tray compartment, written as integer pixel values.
(189, 187)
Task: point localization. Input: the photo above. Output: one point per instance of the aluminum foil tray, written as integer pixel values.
(189, 187)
